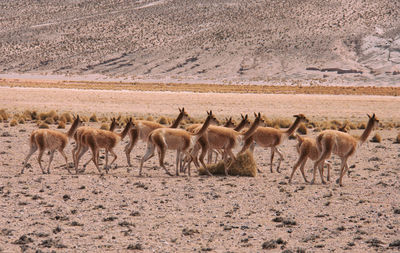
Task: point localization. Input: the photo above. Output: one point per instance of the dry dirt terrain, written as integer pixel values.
(158, 213)
(353, 42)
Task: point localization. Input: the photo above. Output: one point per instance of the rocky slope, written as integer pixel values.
(336, 42)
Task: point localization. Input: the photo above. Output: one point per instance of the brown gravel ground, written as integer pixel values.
(157, 213)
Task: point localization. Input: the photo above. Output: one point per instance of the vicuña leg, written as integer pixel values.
(134, 135)
(149, 154)
(32, 150)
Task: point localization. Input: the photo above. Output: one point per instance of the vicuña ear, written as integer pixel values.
(242, 115)
(373, 115)
(296, 116)
(259, 115)
(368, 115)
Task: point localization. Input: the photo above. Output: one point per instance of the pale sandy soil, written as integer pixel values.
(223, 104)
(88, 213)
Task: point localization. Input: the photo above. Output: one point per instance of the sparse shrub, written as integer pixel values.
(268, 122)
(163, 120)
(52, 114)
(302, 129)
(377, 138)
(1, 118)
(4, 114)
(67, 117)
(49, 120)
(362, 125)
(352, 125)
(397, 138)
(84, 118)
(244, 165)
(34, 115)
(42, 116)
(93, 118)
(104, 126)
(27, 115)
(21, 120)
(336, 123)
(62, 118)
(283, 123)
(150, 118)
(43, 125)
(61, 124)
(103, 119)
(13, 122)
(333, 127)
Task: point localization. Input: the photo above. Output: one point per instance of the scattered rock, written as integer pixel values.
(134, 213)
(395, 244)
(136, 246)
(5, 134)
(271, 244)
(187, 231)
(374, 242)
(111, 218)
(57, 230)
(23, 240)
(76, 224)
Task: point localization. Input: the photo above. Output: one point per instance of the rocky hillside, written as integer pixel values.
(275, 41)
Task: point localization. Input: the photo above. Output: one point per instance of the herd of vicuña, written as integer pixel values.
(198, 140)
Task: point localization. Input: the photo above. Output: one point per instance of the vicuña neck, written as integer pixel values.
(252, 128)
(125, 131)
(241, 125)
(367, 131)
(203, 129)
(293, 127)
(177, 121)
(73, 128)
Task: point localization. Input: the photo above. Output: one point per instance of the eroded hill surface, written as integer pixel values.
(346, 41)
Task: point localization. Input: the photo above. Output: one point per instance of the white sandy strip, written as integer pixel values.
(223, 104)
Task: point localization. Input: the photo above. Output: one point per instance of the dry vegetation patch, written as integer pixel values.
(244, 165)
(204, 87)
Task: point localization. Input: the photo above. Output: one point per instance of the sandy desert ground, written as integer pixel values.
(158, 213)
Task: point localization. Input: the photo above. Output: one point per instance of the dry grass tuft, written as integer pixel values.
(66, 117)
(377, 138)
(362, 125)
(282, 123)
(43, 125)
(245, 165)
(397, 138)
(84, 118)
(336, 123)
(163, 120)
(28, 115)
(302, 129)
(49, 120)
(3, 114)
(150, 118)
(21, 120)
(61, 124)
(13, 122)
(104, 126)
(93, 118)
